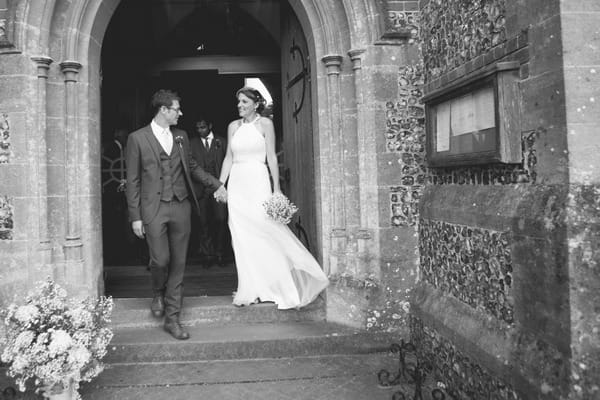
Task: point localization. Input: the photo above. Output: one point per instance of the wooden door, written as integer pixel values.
(297, 159)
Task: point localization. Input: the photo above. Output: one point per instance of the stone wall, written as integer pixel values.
(374, 292)
(493, 239)
(17, 163)
(41, 160)
(581, 36)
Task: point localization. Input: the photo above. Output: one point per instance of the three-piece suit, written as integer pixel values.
(160, 194)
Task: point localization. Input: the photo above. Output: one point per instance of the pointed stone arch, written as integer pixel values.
(64, 40)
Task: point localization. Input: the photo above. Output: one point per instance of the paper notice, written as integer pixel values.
(485, 117)
(461, 114)
(442, 138)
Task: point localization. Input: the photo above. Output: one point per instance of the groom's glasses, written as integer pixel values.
(176, 109)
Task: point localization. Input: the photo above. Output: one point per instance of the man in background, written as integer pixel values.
(210, 239)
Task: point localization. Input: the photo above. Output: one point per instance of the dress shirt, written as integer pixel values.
(164, 137)
(208, 140)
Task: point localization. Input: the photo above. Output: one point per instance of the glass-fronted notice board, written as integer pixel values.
(475, 120)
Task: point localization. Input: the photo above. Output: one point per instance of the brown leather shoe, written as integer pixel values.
(158, 306)
(176, 330)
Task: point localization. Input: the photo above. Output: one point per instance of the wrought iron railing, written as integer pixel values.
(412, 371)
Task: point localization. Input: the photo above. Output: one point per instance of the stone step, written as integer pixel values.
(134, 281)
(322, 377)
(135, 312)
(243, 341)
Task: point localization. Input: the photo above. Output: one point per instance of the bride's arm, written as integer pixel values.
(228, 160)
(269, 132)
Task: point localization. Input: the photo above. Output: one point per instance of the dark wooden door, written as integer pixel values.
(298, 154)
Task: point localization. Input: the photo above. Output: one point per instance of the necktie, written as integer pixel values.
(206, 145)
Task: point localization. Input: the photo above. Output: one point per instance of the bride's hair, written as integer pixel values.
(253, 95)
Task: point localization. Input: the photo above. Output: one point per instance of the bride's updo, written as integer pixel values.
(253, 95)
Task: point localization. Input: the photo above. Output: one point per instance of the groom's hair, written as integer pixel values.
(163, 97)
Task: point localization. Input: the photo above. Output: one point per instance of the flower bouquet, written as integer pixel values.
(55, 341)
(279, 208)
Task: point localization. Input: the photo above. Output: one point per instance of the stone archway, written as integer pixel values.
(66, 51)
(58, 105)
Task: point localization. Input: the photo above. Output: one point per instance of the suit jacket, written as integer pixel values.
(210, 159)
(144, 173)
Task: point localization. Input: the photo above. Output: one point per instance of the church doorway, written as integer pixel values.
(205, 50)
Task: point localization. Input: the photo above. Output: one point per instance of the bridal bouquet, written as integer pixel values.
(279, 208)
(55, 341)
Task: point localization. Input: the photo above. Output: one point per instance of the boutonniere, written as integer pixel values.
(217, 143)
(179, 140)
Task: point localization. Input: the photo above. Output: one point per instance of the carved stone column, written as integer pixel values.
(365, 149)
(45, 248)
(73, 243)
(336, 144)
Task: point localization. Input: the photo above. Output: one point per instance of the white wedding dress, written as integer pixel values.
(272, 264)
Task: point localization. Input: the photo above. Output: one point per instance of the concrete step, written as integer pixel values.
(135, 312)
(322, 377)
(243, 341)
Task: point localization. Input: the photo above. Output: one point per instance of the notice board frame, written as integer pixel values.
(502, 143)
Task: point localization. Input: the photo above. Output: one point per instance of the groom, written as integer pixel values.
(160, 198)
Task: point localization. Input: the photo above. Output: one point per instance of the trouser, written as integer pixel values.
(168, 235)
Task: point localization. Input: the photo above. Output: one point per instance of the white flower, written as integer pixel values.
(20, 362)
(80, 317)
(60, 342)
(24, 339)
(27, 314)
(79, 356)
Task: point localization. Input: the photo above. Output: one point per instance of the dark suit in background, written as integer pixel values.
(210, 233)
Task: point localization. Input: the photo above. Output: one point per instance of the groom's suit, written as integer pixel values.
(159, 193)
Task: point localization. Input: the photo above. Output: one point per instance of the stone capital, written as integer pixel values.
(43, 64)
(333, 63)
(356, 55)
(70, 69)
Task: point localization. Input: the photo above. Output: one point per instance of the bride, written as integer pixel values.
(272, 264)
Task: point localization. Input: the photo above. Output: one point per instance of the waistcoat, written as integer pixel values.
(172, 173)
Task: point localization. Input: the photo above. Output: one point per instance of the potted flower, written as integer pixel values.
(54, 341)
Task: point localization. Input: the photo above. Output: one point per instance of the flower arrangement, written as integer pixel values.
(279, 208)
(55, 341)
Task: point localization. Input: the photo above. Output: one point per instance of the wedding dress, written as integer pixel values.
(272, 264)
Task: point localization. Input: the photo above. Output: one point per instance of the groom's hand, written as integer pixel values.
(138, 229)
(221, 194)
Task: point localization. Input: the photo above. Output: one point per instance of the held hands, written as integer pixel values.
(220, 194)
